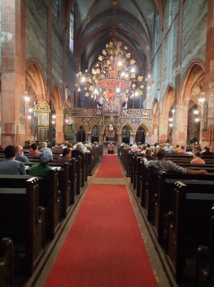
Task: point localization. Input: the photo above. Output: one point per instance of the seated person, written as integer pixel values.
(170, 149)
(182, 150)
(69, 145)
(197, 158)
(133, 150)
(206, 151)
(42, 169)
(167, 165)
(110, 148)
(78, 150)
(44, 146)
(34, 152)
(66, 155)
(177, 148)
(148, 154)
(9, 165)
(19, 154)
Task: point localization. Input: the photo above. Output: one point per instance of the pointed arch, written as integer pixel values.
(56, 99)
(132, 131)
(35, 79)
(107, 124)
(193, 82)
(169, 99)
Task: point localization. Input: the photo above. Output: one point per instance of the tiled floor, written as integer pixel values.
(162, 278)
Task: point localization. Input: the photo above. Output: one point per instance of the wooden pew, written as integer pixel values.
(188, 228)
(153, 187)
(79, 174)
(22, 219)
(49, 198)
(6, 262)
(204, 272)
(72, 180)
(64, 186)
(125, 158)
(163, 196)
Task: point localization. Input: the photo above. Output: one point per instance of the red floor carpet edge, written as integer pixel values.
(110, 167)
(104, 247)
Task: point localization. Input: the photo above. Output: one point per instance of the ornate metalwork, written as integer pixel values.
(42, 106)
(136, 113)
(84, 112)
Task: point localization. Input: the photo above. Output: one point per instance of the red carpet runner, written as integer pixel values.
(104, 247)
(110, 167)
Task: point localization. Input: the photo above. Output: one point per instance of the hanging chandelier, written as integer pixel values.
(113, 75)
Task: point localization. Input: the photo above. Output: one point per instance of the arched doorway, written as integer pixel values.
(193, 128)
(140, 135)
(190, 100)
(95, 134)
(110, 133)
(80, 136)
(171, 120)
(125, 135)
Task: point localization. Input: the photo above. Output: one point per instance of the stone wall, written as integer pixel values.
(193, 33)
(37, 45)
(170, 51)
(36, 33)
(193, 44)
(57, 56)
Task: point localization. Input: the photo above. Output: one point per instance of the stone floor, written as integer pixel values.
(162, 273)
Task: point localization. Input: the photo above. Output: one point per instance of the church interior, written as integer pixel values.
(137, 72)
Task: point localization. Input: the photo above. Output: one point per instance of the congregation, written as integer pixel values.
(14, 157)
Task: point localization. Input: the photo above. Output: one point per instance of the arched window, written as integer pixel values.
(57, 9)
(71, 31)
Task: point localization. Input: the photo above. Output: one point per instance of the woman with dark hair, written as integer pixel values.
(66, 155)
(34, 151)
(148, 154)
(206, 151)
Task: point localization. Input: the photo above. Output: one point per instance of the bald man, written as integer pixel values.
(19, 154)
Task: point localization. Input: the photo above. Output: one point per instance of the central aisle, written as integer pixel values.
(104, 247)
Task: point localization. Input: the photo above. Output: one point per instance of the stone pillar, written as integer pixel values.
(163, 128)
(180, 125)
(60, 127)
(208, 137)
(88, 138)
(118, 139)
(101, 138)
(132, 137)
(13, 72)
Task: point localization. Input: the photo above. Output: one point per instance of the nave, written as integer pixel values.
(115, 273)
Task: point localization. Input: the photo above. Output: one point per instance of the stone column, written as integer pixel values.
(131, 139)
(60, 127)
(13, 72)
(180, 125)
(208, 136)
(163, 128)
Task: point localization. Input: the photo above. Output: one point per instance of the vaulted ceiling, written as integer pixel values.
(133, 20)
